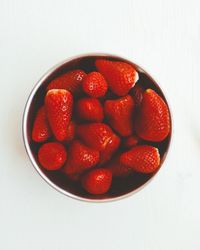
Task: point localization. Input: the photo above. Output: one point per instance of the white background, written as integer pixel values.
(164, 38)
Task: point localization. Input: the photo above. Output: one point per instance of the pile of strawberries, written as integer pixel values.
(98, 126)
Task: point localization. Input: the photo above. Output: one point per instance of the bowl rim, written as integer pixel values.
(25, 134)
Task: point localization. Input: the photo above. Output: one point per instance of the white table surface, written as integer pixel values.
(163, 37)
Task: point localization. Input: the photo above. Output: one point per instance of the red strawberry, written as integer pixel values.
(97, 181)
(131, 141)
(52, 155)
(153, 121)
(90, 109)
(70, 81)
(58, 103)
(120, 114)
(70, 132)
(95, 85)
(120, 76)
(41, 130)
(138, 94)
(143, 159)
(80, 158)
(110, 149)
(118, 169)
(100, 137)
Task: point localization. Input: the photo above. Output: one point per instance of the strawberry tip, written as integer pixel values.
(136, 79)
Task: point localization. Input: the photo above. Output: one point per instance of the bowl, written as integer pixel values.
(122, 187)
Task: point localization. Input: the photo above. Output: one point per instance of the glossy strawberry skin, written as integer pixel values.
(90, 109)
(80, 158)
(110, 149)
(95, 85)
(120, 114)
(52, 155)
(120, 76)
(97, 181)
(100, 137)
(118, 169)
(153, 120)
(58, 104)
(70, 132)
(71, 81)
(144, 159)
(41, 130)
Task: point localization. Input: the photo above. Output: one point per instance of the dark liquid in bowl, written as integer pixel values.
(120, 186)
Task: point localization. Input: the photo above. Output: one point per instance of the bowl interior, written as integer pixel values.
(120, 186)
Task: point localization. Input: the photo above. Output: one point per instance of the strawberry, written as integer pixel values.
(120, 76)
(80, 158)
(131, 141)
(95, 85)
(118, 169)
(52, 155)
(41, 130)
(70, 132)
(120, 114)
(97, 181)
(100, 137)
(110, 149)
(153, 121)
(58, 103)
(138, 94)
(90, 109)
(143, 159)
(70, 81)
